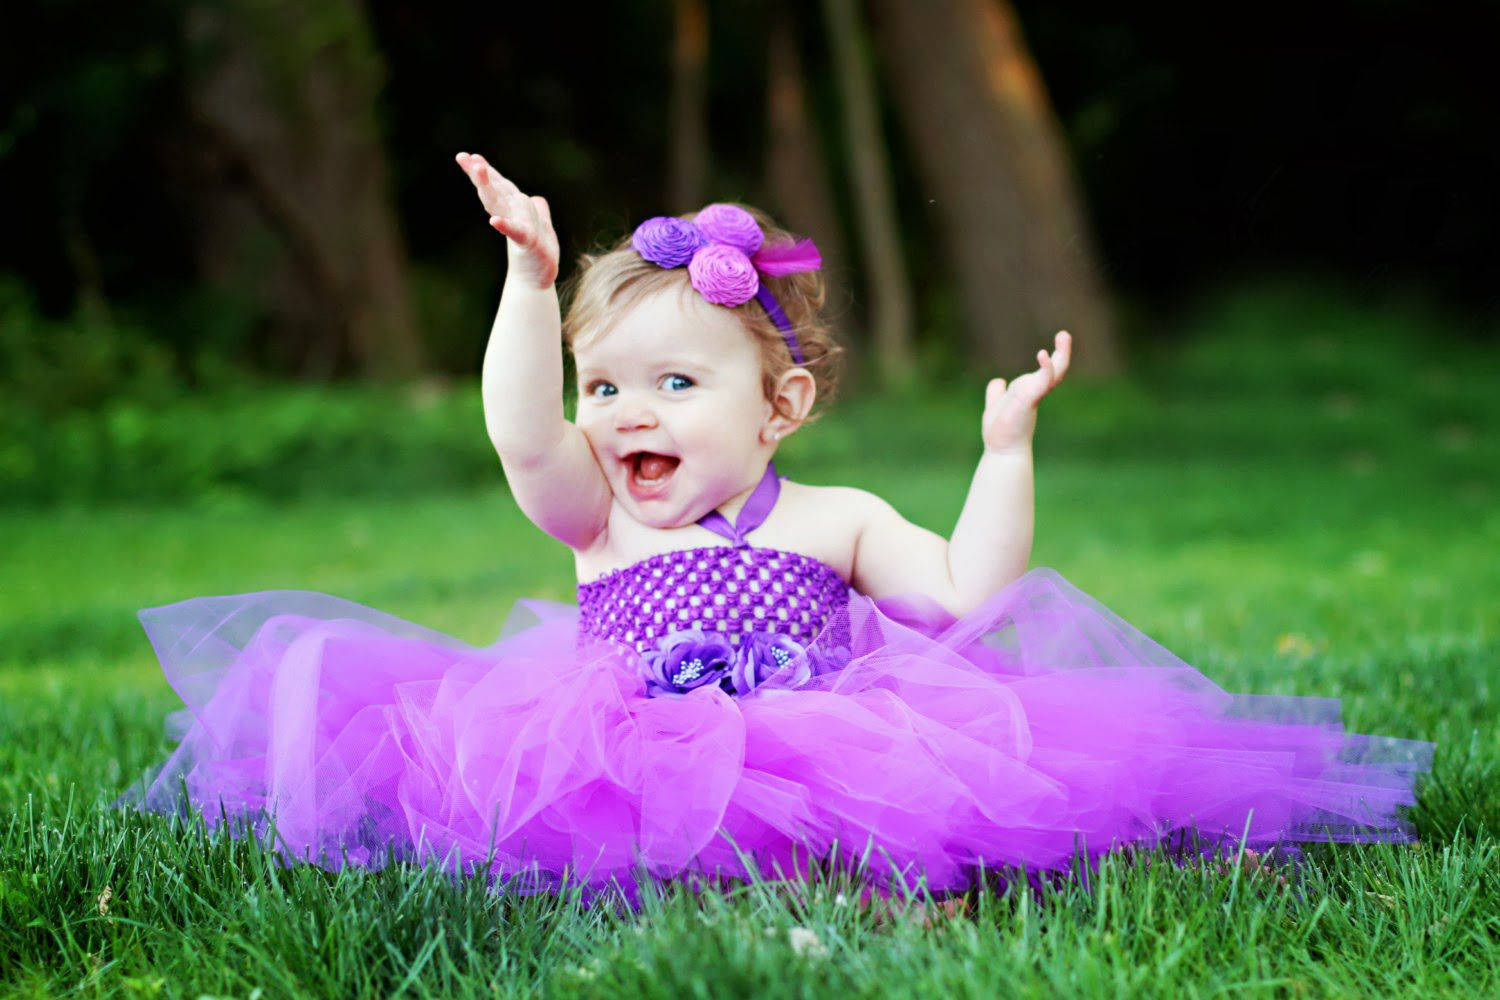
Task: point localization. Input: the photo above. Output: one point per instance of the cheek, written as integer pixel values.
(725, 429)
(699, 426)
(593, 428)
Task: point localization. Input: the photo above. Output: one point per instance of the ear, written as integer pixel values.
(791, 401)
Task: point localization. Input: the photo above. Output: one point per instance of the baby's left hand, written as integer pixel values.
(1010, 410)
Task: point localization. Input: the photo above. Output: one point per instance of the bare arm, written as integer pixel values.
(991, 544)
(547, 460)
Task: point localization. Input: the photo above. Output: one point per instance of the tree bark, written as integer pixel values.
(989, 145)
(889, 289)
(689, 106)
(795, 171)
(284, 101)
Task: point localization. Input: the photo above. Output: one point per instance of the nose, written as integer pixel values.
(633, 415)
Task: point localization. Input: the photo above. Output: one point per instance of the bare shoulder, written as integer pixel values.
(805, 493)
(842, 509)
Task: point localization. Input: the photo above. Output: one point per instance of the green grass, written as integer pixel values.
(1300, 500)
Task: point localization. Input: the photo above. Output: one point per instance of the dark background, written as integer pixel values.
(1351, 141)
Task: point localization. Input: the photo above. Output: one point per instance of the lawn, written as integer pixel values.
(1295, 492)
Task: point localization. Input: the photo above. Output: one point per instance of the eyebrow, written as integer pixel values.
(704, 363)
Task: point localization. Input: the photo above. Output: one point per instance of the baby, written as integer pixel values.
(720, 710)
(682, 403)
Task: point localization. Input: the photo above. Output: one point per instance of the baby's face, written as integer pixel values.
(670, 399)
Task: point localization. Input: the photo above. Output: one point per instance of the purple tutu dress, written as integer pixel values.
(731, 707)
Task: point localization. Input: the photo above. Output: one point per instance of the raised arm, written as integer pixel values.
(991, 544)
(548, 464)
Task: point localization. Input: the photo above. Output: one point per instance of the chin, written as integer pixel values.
(663, 514)
(664, 522)
(660, 517)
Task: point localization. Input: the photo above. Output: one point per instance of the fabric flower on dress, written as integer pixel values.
(767, 659)
(667, 241)
(827, 660)
(686, 660)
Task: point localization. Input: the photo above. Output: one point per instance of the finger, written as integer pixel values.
(481, 171)
(509, 186)
(993, 392)
(512, 229)
(543, 210)
(501, 182)
(1063, 355)
(1030, 388)
(476, 171)
(491, 179)
(488, 196)
(1044, 365)
(524, 207)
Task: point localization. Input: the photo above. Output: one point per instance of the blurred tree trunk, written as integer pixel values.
(889, 290)
(689, 106)
(284, 103)
(88, 276)
(990, 147)
(795, 172)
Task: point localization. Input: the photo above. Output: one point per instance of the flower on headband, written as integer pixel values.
(723, 275)
(717, 247)
(730, 224)
(667, 241)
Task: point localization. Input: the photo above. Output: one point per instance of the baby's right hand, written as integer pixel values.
(525, 221)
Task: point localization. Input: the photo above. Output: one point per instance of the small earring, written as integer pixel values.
(775, 435)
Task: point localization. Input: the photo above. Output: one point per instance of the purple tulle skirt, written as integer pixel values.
(1039, 726)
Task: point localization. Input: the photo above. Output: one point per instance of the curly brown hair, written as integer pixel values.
(618, 278)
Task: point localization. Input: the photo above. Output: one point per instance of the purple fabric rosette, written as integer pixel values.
(730, 225)
(716, 247)
(686, 660)
(691, 658)
(723, 275)
(726, 256)
(823, 660)
(766, 659)
(667, 241)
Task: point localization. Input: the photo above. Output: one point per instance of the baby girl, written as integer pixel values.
(682, 403)
(842, 685)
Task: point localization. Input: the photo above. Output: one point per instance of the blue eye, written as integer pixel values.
(600, 389)
(677, 383)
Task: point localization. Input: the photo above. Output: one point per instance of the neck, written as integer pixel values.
(731, 508)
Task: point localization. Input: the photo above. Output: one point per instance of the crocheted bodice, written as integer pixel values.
(727, 589)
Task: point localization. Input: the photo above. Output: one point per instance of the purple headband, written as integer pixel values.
(726, 258)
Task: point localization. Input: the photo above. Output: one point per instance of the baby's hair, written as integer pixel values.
(618, 278)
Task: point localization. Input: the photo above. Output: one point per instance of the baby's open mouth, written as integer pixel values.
(648, 469)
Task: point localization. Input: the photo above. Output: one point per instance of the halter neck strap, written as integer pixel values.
(752, 515)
